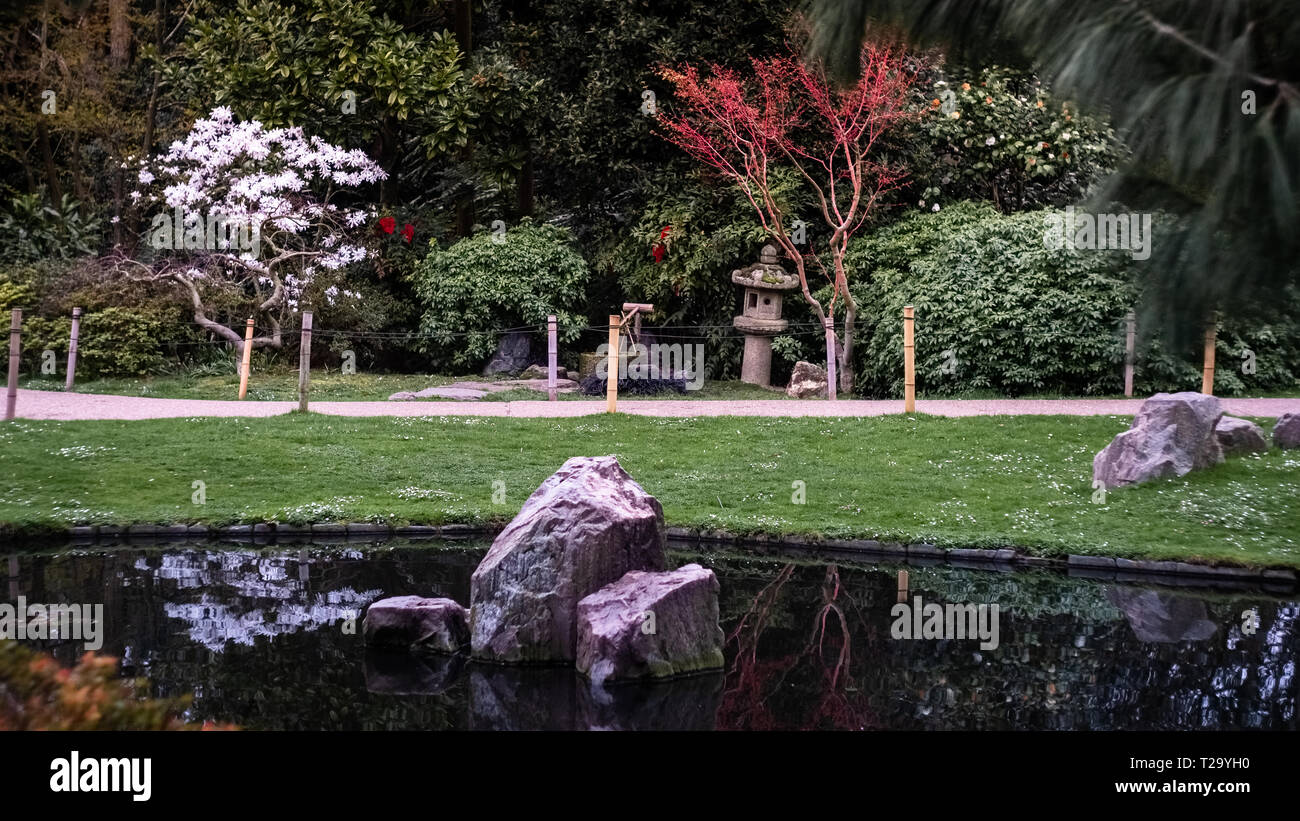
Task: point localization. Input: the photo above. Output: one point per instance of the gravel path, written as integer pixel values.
(57, 405)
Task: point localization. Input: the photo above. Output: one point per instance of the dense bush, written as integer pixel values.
(490, 282)
(997, 134)
(112, 342)
(997, 310)
(36, 231)
(1016, 316)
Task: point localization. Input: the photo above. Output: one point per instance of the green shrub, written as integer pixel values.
(486, 282)
(37, 231)
(112, 342)
(997, 310)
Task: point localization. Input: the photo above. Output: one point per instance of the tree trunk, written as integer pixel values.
(465, 40)
(119, 33)
(47, 157)
(525, 192)
(844, 354)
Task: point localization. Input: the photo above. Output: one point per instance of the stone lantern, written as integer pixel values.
(760, 318)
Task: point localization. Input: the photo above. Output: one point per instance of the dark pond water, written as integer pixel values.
(256, 635)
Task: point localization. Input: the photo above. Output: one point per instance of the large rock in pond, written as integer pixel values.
(1286, 432)
(585, 527)
(1172, 435)
(414, 622)
(651, 625)
(514, 353)
(806, 381)
(1240, 436)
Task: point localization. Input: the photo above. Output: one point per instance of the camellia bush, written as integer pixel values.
(681, 250)
(494, 281)
(1000, 135)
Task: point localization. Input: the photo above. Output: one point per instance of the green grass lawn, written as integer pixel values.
(985, 481)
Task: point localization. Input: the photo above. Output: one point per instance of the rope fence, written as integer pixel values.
(614, 331)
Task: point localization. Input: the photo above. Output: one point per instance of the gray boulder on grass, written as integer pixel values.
(1172, 435)
(1286, 432)
(583, 528)
(807, 381)
(1240, 436)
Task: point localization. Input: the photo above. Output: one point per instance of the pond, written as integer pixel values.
(258, 636)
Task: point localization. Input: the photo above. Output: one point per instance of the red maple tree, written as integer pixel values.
(787, 111)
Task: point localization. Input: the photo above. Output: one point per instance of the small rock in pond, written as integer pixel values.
(440, 625)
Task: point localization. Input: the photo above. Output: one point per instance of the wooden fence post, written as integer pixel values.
(909, 360)
(15, 345)
(1207, 374)
(248, 358)
(304, 362)
(552, 354)
(611, 374)
(832, 378)
(72, 348)
(1130, 339)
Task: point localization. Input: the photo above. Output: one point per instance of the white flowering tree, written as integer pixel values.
(245, 217)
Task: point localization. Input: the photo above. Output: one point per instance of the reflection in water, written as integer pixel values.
(262, 639)
(390, 673)
(1162, 616)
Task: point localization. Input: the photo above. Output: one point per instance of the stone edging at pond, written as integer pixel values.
(921, 553)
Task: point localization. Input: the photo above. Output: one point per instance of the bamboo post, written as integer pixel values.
(15, 345)
(909, 360)
(1207, 375)
(248, 358)
(832, 379)
(552, 353)
(304, 362)
(611, 374)
(72, 348)
(1130, 337)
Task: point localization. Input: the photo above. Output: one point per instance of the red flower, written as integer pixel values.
(660, 247)
(388, 225)
(408, 231)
